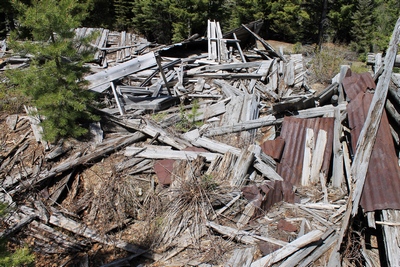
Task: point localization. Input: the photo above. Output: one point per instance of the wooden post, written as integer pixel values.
(158, 60)
(337, 175)
(120, 106)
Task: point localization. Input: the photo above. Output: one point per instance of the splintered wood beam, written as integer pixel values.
(338, 171)
(318, 156)
(307, 159)
(242, 166)
(289, 249)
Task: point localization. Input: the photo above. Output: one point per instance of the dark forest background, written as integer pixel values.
(366, 25)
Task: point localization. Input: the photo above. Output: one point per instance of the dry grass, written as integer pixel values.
(190, 204)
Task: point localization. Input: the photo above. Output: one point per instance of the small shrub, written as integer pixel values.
(359, 67)
(11, 100)
(159, 116)
(20, 257)
(297, 48)
(188, 119)
(326, 63)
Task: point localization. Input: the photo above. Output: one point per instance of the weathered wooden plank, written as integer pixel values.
(317, 253)
(229, 75)
(223, 51)
(150, 128)
(101, 81)
(266, 169)
(337, 170)
(243, 126)
(289, 73)
(241, 257)
(239, 48)
(233, 109)
(159, 152)
(262, 69)
(318, 156)
(209, 111)
(328, 239)
(391, 234)
(209, 144)
(18, 226)
(308, 154)
(319, 111)
(247, 213)
(243, 236)
(289, 249)
(59, 220)
(243, 163)
(120, 106)
(228, 89)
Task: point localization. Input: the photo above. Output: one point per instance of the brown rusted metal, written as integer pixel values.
(163, 168)
(355, 83)
(268, 193)
(273, 148)
(382, 183)
(294, 134)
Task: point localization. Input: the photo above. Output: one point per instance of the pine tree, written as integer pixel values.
(385, 15)
(123, 14)
(54, 80)
(153, 19)
(290, 20)
(362, 25)
(340, 20)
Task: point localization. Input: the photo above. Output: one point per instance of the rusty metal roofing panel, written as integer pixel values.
(382, 183)
(294, 133)
(355, 83)
(267, 194)
(273, 148)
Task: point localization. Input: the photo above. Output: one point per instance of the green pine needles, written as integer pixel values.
(54, 80)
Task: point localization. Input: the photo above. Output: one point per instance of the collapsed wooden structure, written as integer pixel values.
(224, 157)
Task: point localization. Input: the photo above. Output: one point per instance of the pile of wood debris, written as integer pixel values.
(225, 157)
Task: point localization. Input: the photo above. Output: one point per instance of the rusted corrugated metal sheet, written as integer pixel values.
(294, 134)
(273, 148)
(355, 83)
(382, 183)
(268, 193)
